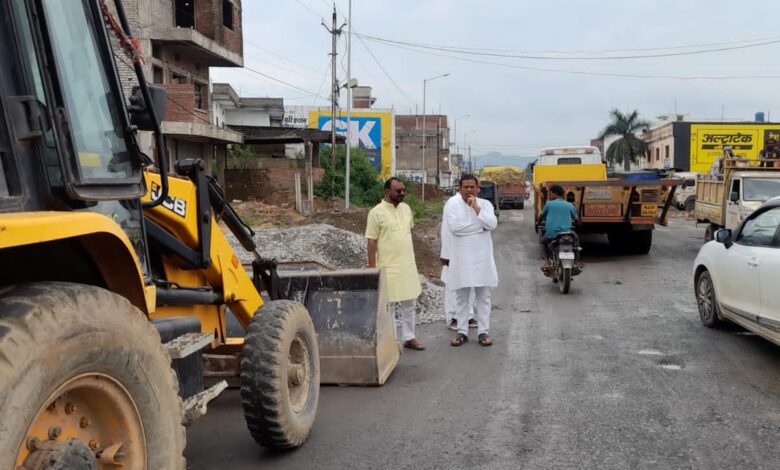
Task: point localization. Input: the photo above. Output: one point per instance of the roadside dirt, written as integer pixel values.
(261, 215)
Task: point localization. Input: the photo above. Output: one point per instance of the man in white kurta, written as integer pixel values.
(450, 301)
(389, 234)
(471, 265)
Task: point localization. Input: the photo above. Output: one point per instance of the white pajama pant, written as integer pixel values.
(408, 309)
(482, 307)
(451, 305)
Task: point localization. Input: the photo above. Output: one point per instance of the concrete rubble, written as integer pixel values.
(340, 249)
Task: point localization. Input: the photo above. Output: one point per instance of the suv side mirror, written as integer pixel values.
(734, 196)
(139, 111)
(723, 236)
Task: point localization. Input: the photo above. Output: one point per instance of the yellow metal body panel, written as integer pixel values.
(710, 200)
(179, 217)
(563, 173)
(97, 233)
(608, 203)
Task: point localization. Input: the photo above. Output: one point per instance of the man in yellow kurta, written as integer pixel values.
(389, 234)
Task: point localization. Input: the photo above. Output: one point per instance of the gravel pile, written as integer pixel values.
(334, 247)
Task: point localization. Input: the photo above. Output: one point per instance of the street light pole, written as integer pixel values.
(455, 144)
(465, 134)
(425, 173)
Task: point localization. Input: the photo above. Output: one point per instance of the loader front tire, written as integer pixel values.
(83, 372)
(280, 375)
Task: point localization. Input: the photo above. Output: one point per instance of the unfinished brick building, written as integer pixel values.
(180, 40)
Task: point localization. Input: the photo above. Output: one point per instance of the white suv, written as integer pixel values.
(737, 275)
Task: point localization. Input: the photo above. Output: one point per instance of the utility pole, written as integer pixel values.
(334, 90)
(349, 108)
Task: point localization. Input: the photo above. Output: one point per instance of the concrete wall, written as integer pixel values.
(247, 117)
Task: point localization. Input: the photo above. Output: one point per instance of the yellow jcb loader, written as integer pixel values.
(114, 273)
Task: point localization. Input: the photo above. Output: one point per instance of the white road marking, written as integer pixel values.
(650, 352)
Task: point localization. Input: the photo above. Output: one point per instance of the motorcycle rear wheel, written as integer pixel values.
(564, 280)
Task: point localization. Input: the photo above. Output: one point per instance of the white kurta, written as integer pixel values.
(471, 249)
(446, 243)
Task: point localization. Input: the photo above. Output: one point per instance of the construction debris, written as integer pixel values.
(341, 249)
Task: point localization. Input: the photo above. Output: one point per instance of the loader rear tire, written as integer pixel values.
(280, 375)
(81, 363)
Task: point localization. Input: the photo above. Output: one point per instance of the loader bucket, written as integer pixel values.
(355, 328)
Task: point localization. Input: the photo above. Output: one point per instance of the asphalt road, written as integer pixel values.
(619, 373)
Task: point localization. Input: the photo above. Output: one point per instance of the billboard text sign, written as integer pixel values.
(370, 130)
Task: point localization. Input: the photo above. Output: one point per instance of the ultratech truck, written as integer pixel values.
(511, 185)
(625, 208)
(723, 201)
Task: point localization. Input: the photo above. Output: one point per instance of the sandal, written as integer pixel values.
(485, 340)
(459, 339)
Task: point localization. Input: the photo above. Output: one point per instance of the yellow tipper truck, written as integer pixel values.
(626, 208)
(724, 200)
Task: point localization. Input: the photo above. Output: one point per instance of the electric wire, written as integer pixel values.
(537, 55)
(589, 73)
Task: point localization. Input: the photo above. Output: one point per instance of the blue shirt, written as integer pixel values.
(559, 215)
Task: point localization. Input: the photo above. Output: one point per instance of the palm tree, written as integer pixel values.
(628, 148)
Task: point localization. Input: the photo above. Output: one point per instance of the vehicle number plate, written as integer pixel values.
(649, 210)
(598, 194)
(566, 255)
(603, 210)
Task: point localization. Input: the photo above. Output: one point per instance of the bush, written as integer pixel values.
(365, 187)
(421, 209)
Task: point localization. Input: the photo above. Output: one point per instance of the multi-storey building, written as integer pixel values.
(181, 40)
(409, 147)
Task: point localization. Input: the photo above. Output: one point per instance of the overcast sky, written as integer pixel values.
(515, 110)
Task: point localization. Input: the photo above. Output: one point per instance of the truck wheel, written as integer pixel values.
(521, 205)
(690, 205)
(83, 373)
(617, 240)
(706, 301)
(280, 375)
(709, 233)
(641, 242)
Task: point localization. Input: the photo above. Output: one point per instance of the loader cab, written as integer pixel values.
(66, 140)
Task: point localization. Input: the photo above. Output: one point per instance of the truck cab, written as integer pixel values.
(747, 191)
(725, 200)
(685, 197)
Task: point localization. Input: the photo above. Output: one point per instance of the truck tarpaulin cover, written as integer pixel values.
(503, 175)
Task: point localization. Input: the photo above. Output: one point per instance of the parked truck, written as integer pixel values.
(626, 208)
(685, 196)
(724, 200)
(511, 185)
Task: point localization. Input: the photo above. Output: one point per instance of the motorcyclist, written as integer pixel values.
(558, 216)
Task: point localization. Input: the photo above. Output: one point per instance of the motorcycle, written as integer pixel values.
(565, 262)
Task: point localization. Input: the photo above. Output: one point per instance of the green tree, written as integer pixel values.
(628, 148)
(239, 151)
(365, 187)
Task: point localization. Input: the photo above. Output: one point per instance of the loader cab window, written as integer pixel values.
(93, 111)
(48, 147)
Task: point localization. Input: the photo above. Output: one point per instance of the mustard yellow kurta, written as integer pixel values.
(391, 227)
